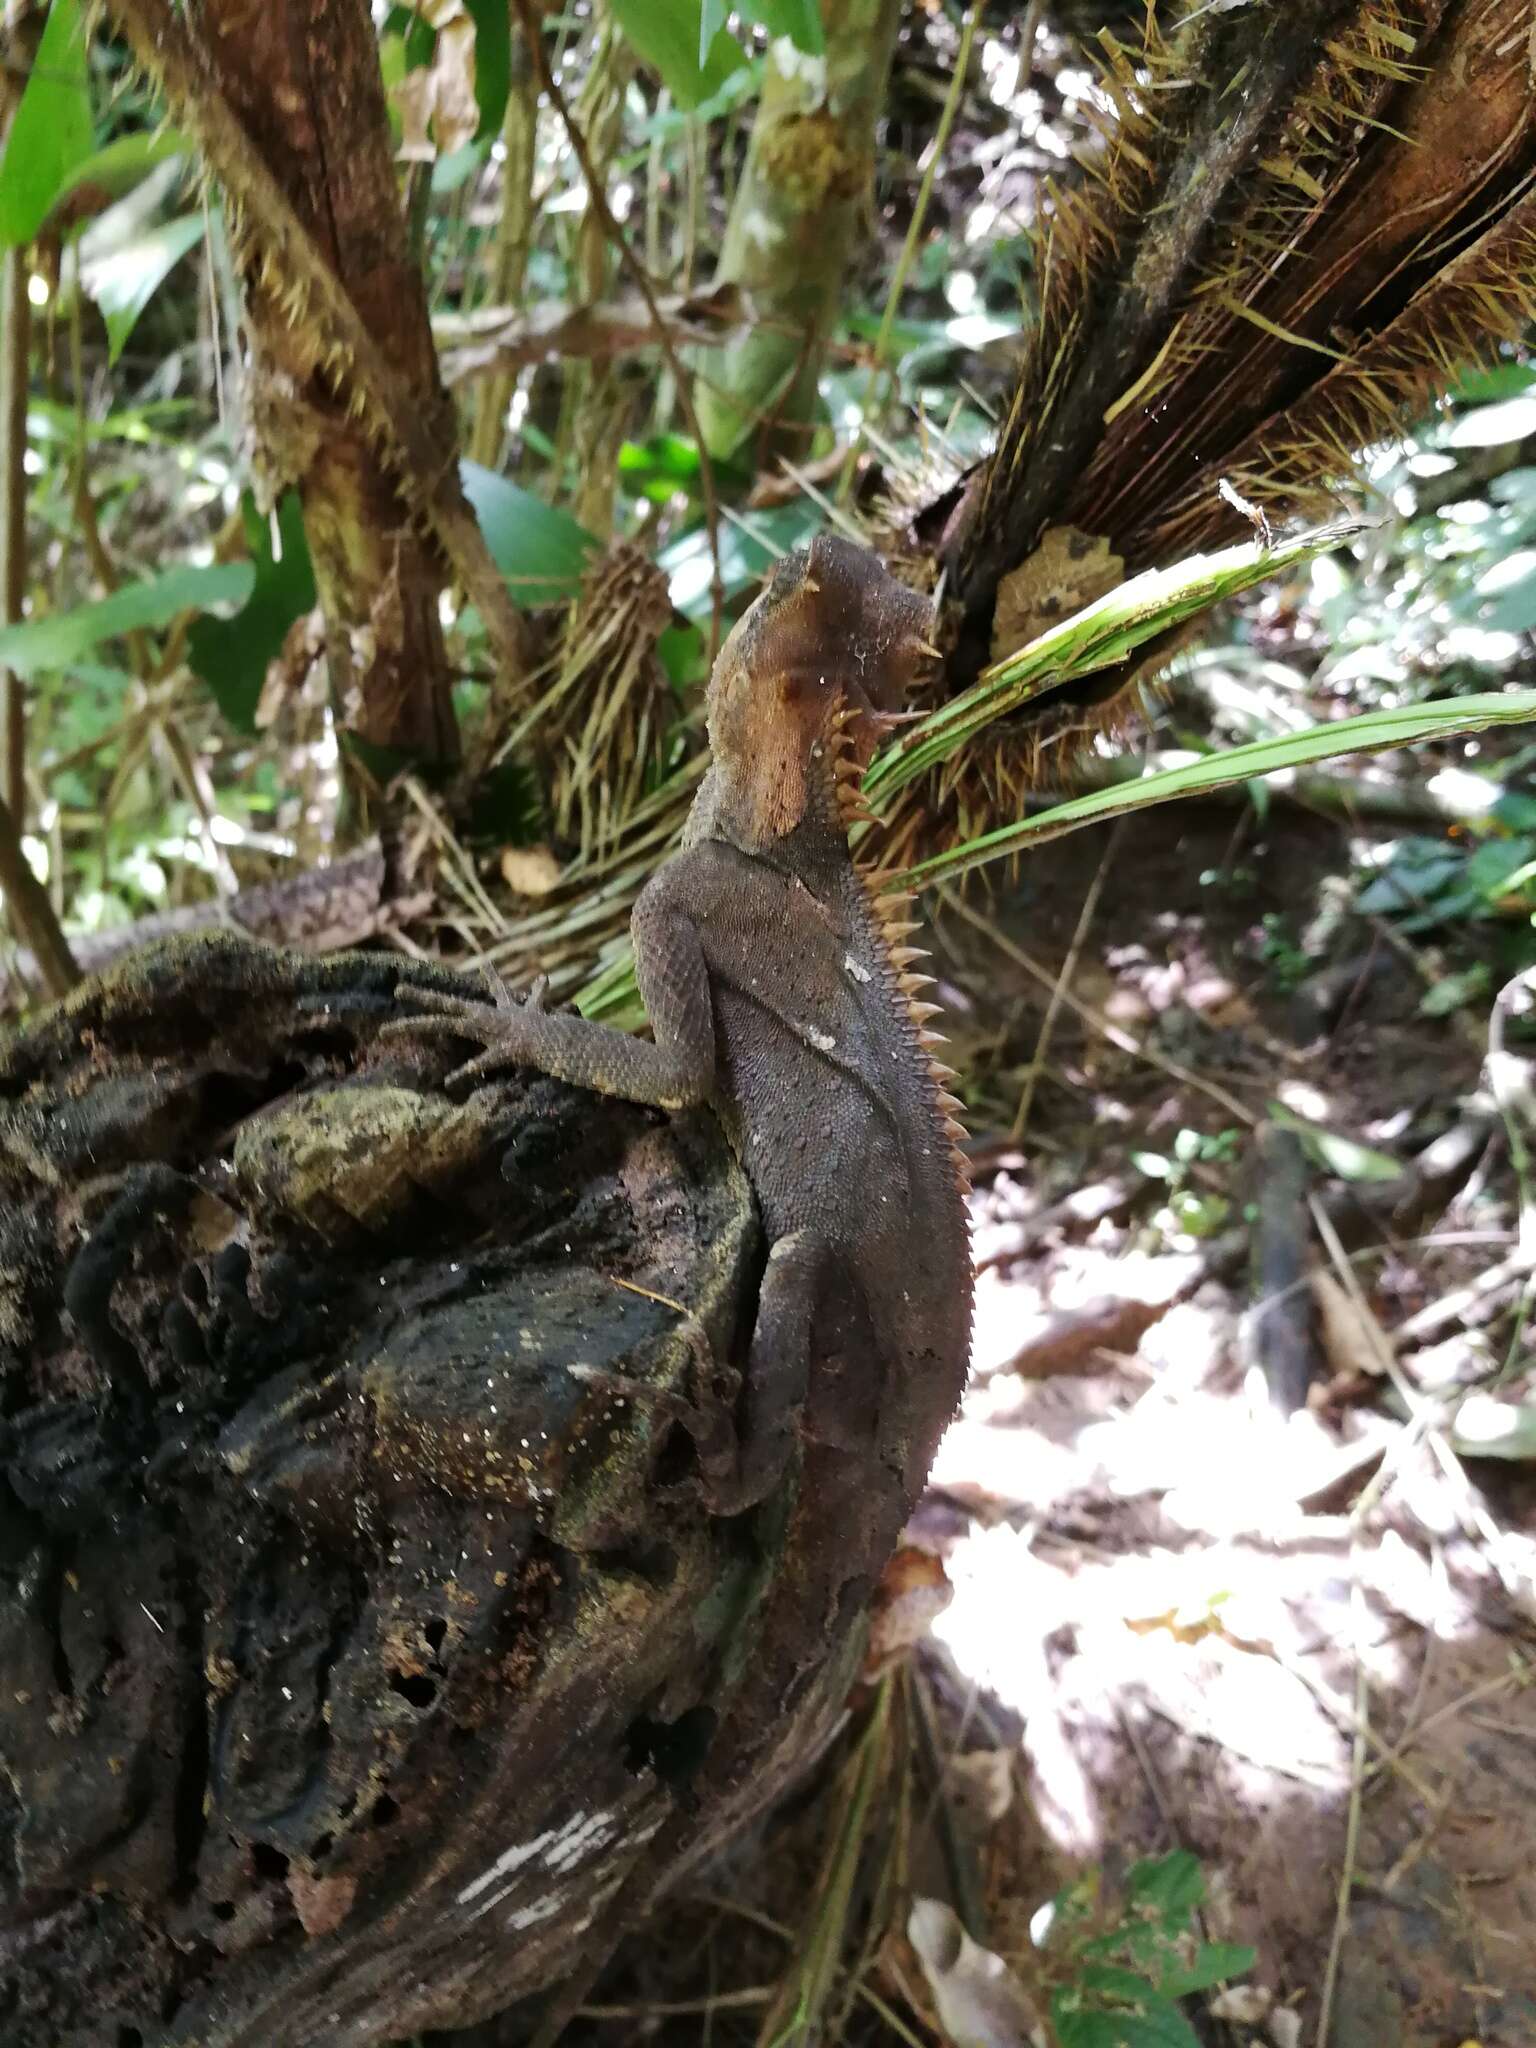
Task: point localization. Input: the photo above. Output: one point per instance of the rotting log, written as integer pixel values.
(367, 1653)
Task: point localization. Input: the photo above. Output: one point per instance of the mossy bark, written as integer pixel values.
(806, 186)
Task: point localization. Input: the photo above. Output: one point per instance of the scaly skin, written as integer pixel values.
(779, 992)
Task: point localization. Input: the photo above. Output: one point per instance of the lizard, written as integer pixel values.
(781, 990)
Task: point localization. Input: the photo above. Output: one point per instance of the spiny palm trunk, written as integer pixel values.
(1306, 215)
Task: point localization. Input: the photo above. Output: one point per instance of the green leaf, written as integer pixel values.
(667, 35)
(493, 62)
(1108, 1980)
(712, 16)
(51, 132)
(1215, 1962)
(749, 547)
(1501, 380)
(1454, 991)
(542, 553)
(1171, 1885)
(1095, 638)
(59, 640)
(1336, 1154)
(1402, 726)
(1160, 2027)
(124, 281)
(799, 20)
(118, 166)
(232, 655)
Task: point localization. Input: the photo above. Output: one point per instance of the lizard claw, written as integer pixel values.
(492, 1020)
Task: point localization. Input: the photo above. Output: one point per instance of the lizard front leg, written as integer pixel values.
(675, 1072)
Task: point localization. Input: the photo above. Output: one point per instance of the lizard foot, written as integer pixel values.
(497, 1020)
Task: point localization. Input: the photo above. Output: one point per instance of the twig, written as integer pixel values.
(1351, 1828)
(1125, 1040)
(598, 199)
(1063, 982)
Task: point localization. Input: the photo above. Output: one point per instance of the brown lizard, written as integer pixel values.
(780, 990)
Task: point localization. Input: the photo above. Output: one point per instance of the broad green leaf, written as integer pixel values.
(1172, 1885)
(749, 547)
(493, 62)
(1501, 380)
(1109, 1980)
(123, 282)
(59, 640)
(118, 166)
(1403, 726)
(1161, 2027)
(232, 655)
(799, 20)
(712, 16)
(51, 133)
(666, 34)
(1454, 991)
(1215, 1963)
(1335, 1153)
(542, 553)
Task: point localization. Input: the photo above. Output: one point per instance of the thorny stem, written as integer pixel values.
(598, 200)
(423, 455)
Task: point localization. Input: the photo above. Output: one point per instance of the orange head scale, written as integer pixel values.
(814, 670)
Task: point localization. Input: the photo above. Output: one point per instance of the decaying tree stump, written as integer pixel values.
(364, 1649)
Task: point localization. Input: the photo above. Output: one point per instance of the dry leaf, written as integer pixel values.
(981, 2003)
(529, 870)
(980, 1786)
(1067, 571)
(913, 1590)
(322, 1903)
(1354, 1341)
(438, 109)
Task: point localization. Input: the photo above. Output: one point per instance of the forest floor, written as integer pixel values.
(1298, 1646)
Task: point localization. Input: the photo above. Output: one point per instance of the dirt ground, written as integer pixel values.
(1298, 1644)
(1220, 1628)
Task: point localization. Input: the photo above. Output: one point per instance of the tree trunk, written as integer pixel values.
(806, 186)
(367, 1650)
(303, 77)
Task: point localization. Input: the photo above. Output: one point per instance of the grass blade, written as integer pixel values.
(1403, 726)
(1097, 637)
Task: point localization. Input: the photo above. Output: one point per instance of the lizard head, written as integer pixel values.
(808, 675)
